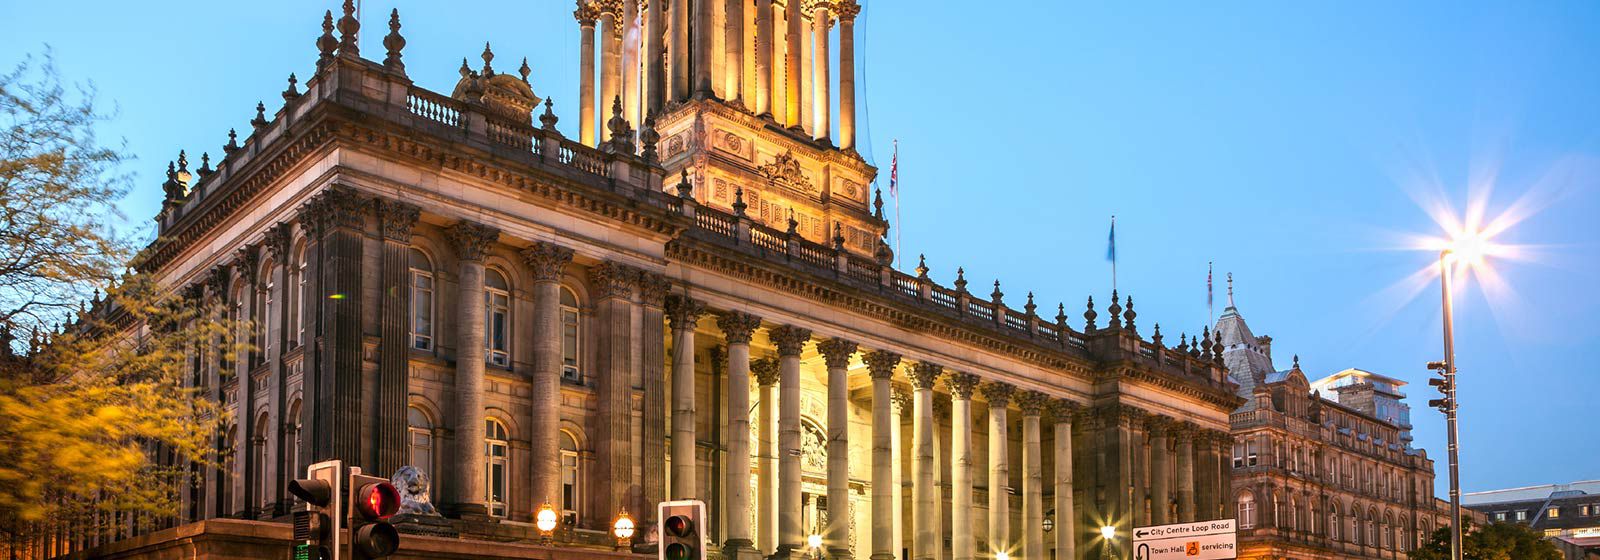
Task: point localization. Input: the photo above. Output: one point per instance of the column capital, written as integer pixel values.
(613, 280)
(901, 398)
(925, 374)
(738, 326)
(1063, 410)
(1115, 414)
(961, 385)
(471, 240)
(277, 242)
(683, 312)
(836, 352)
(789, 339)
(765, 370)
(1184, 432)
(245, 261)
(334, 207)
(1032, 403)
(846, 9)
(653, 289)
(586, 14)
(1158, 425)
(547, 260)
(396, 219)
(941, 408)
(997, 393)
(881, 363)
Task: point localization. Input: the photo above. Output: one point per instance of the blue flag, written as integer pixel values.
(1111, 241)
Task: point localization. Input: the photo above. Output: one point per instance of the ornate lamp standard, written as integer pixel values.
(622, 529)
(545, 521)
(1109, 533)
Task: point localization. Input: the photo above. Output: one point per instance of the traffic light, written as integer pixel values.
(682, 530)
(318, 528)
(373, 501)
(1446, 385)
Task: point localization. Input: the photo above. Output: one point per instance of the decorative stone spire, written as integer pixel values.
(648, 137)
(488, 60)
(171, 187)
(349, 31)
(961, 279)
(233, 142)
(183, 169)
(1088, 316)
(1194, 347)
(1129, 314)
(838, 236)
(548, 120)
(1030, 307)
(394, 43)
(1296, 365)
(621, 141)
(326, 43)
(877, 203)
(1230, 290)
(1205, 344)
(261, 116)
(996, 296)
(524, 70)
(1217, 350)
(1115, 322)
(1156, 338)
(685, 188)
(205, 164)
(922, 266)
(291, 93)
(1061, 319)
(1183, 341)
(738, 201)
(794, 225)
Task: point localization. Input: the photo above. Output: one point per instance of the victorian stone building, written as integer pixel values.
(691, 299)
(1315, 478)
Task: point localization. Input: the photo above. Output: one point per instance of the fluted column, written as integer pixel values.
(585, 15)
(1066, 533)
(820, 96)
(396, 220)
(961, 542)
(791, 63)
(836, 352)
(546, 263)
(678, 49)
(630, 62)
(999, 395)
(1185, 468)
(702, 27)
(807, 73)
(655, 66)
(652, 359)
(1032, 404)
(766, 372)
(610, 65)
(1139, 467)
(763, 68)
(614, 284)
(885, 494)
(683, 313)
(789, 340)
(1160, 497)
(737, 327)
(924, 512)
(847, 76)
(733, 50)
(1206, 474)
(471, 242)
(902, 407)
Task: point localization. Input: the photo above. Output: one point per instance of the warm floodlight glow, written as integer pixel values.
(1108, 532)
(1002, 555)
(815, 541)
(545, 519)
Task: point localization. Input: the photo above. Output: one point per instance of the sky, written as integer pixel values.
(1303, 147)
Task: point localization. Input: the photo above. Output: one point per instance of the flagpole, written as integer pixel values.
(894, 192)
(1113, 253)
(1211, 308)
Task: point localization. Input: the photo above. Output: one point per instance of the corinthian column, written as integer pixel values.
(999, 395)
(702, 28)
(733, 51)
(546, 262)
(630, 62)
(736, 330)
(1032, 404)
(1066, 516)
(1185, 435)
(678, 49)
(961, 543)
(880, 365)
(763, 68)
(791, 63)
(655, 66)
(683, 313)
(837, 352)
(1160, 498)
(652, 357)
(819, 83)
(766, 372)
(586, 16)
(394, 351)
(614, 285)
(924, 512)
(847, 75)
(610, 63)
(789, 340)
(471, 242)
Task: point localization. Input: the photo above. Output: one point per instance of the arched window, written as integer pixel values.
(1294, 514)
(1425, 531)
(421, 301)
(1388, 530)
(1402, 539)
(263, 311)
(1277, 511)
(294, 463)
(420, 440)
(1372, 527)
(497, 318)
(1247, 511)
(258, 448)
(497, 472)
(570, 498)
(241, 333)
(1355, 524)
(297, 297)
(571, 350)
(1334, 533)
(230, 452)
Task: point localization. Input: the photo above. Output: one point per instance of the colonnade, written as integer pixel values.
(773, 59)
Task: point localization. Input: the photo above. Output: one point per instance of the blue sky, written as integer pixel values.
(1288, 142)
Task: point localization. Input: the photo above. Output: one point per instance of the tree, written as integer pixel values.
(100, 421)
(1499, 540)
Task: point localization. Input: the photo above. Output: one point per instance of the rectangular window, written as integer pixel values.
(1499, 516)
(497, 306)
(421, 310)
(1552, 513)
(1522, 515)
(569, 345)
(496, 476)
(1238, 456)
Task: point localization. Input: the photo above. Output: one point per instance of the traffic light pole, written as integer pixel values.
(1450, 405)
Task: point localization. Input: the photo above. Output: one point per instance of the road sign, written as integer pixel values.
(1201, 540)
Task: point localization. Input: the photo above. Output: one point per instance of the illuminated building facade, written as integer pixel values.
(692, 299)
(1567, 514)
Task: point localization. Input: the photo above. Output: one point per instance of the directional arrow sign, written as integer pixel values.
(1201, 540)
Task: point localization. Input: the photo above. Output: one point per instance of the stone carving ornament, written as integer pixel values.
(785, 171)
(413, 485)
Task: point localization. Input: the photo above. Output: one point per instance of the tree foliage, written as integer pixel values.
(100, 421)
(1499, 540)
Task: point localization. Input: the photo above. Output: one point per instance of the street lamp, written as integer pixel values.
(1470, 253)
(815, 542)
(622, 529)
(545, 521)
(1109, 533)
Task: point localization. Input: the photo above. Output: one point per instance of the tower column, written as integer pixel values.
(807, 72)
(684, 313)
(737, 328)
(702, 50)
(1066, 533)
(655, 65)
(924, 512)
(836, 352)
(885, 493)
(471, 242)
(847, 76)
(1160, 498)
(630, 62)
(733, 50)
(614, 284)
(763, 101)
(678, 49)
(653, 356)
(766, 372)
(820, 96)
(1032, 404)
(789, 340)
(546, 261)
(610, 65)
(999, 395)
(585, 15)
(394, 370)
(791, 63)
(961, 542)
(1185, 467)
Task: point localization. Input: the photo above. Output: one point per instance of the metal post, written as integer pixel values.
(1450, 406)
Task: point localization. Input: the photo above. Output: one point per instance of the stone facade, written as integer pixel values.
(531, 318)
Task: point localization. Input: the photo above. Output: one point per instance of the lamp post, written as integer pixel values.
(1449, 371)
(622, 529)
(1109, 533)
(815, 542)
(545, 521)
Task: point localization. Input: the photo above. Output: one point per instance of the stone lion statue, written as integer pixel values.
(413, 486)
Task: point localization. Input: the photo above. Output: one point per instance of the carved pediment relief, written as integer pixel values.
(732, 143)
(784, 171)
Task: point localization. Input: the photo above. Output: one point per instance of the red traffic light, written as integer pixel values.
(680, 526)
(377, 501)
(677, 551)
